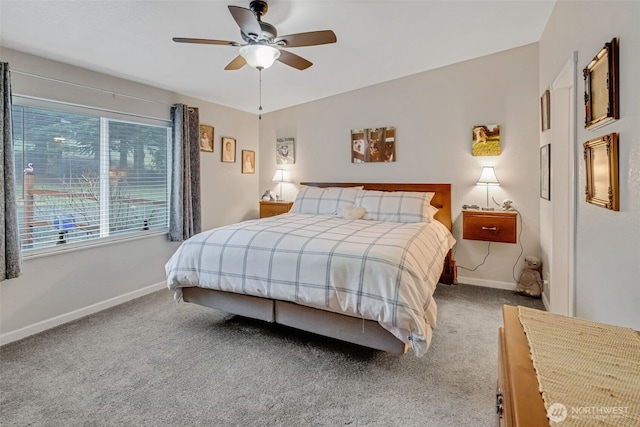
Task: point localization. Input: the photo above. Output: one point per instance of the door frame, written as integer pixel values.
(567, 80)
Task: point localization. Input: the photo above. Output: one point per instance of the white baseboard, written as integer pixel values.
(8, 337)
(545, 301)
(507, 286)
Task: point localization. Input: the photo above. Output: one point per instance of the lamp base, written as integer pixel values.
(487, 209)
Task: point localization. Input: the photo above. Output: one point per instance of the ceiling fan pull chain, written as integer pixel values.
(260, 94)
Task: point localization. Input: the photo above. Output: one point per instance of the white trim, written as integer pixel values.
(508, 286)
(545, 301)
(41, 326)
(89, 244)
(567, 79)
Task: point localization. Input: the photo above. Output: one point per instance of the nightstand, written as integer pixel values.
(490, 226)
(268, 209)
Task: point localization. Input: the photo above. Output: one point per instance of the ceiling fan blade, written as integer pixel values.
(247, 21)
(236, 64)
(293, 60)
(312, 38)
(205, 41)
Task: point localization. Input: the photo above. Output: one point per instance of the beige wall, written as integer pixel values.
(607, 243)
(433, 113)
(61, 287)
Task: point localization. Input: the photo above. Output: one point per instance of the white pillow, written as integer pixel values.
(350, 212)
(432, 212)
(324, 201)
(396, 206)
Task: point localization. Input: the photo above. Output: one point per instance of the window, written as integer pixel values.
(87, 177)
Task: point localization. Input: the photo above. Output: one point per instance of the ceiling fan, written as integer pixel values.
(262, 45)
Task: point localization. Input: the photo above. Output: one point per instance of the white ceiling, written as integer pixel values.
(377, 41)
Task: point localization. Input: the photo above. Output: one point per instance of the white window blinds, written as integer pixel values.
(87, 177)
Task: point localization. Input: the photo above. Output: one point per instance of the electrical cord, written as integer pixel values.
(513, 270)
(482, 263)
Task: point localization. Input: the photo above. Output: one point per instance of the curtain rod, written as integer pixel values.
(25, 73)
(71, 104)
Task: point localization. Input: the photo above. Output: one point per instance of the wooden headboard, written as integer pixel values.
(441, 200)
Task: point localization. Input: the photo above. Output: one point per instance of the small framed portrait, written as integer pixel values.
(545, 110)
(285, 151)
(206, 138)
(248, 161)
(228, 149)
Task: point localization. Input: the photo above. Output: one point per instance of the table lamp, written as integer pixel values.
(488, 177)
(281, 176)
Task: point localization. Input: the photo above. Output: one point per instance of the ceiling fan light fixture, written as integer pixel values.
(259, 56)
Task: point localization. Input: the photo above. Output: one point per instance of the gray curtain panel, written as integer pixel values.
(184, 206)
(10, 256)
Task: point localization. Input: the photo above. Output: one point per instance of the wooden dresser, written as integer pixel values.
(518, 401)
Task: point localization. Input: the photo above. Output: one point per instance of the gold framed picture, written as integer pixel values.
(228, 149)
(601, 161)
(248, 161)
(206, 138)
(545, 110)
(601, 87)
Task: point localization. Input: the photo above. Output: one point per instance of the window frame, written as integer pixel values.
(106, 117)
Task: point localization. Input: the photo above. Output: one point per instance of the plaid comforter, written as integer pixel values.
(382, 271)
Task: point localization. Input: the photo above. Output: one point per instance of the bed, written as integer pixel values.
(368, 281)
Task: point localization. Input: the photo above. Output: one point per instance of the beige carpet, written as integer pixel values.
(152, 362)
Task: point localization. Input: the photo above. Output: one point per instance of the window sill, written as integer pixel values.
(78, 246)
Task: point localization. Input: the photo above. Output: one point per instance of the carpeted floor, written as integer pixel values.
(151, 362)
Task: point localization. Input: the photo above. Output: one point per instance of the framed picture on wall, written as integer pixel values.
(285, 151)
(206, 138)
(601, 165)
(545, 110)
(248, 161)
(601, 87)
(545, 172)
(228, 149)
(486, 140)
(373, 145)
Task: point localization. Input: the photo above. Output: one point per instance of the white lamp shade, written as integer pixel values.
(488, 176)
(259, 55)
(281, 176)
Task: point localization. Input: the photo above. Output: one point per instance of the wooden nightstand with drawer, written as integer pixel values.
(268, 209)
(490, 226)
